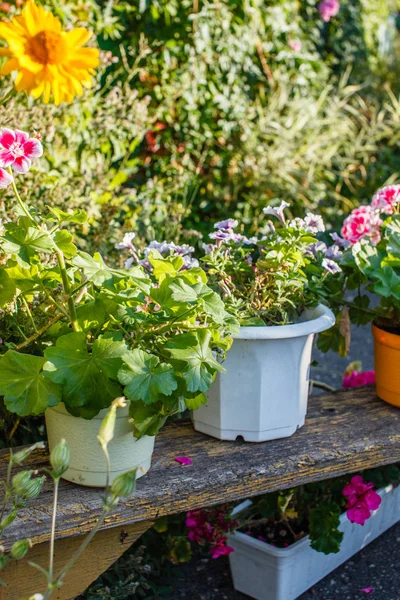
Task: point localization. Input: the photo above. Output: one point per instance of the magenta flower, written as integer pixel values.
(386, 199)
(183, 460)
(357, 379)
(18, 150)
(359, 513)
(220, 550)
(328, 9)
(363, 221)
(5, 179)
(361, 500)
(367, 590)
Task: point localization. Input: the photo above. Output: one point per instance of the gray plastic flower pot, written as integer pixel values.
(265, 572)
(263, 394)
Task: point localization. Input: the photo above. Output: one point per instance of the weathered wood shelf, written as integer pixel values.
(345, 432)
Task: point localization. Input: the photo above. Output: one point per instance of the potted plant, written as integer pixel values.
(276, 285)
(77, 333)
(287, 541)
(371, 284)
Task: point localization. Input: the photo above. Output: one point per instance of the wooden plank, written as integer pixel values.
(23, 580)
(344, 433)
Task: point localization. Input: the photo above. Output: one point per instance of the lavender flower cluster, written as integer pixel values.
(164, 248)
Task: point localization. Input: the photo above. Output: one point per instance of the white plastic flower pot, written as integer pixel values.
(87, 462)
(263, 394)
(265, 572)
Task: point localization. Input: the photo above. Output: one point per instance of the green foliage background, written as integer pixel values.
(208, 112)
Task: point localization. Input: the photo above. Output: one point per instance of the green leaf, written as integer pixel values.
(24, 279)
(22, 383)
(193, 349)
(145, 377)
(324, 522)
(8, 288)
(213, 305)
(388, 284)
(147, 418)
(97, 271)
(92, 314)
(182, 292)
(196, 402)
(88, 379)
(165, 266)
(25, 242)
(63, 240)
(78, 216)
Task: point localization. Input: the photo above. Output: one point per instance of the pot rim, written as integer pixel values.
(322, 320)
(386, 338)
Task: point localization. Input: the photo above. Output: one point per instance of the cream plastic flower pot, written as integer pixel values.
(263, 394)
(87, 462)
(265, 572)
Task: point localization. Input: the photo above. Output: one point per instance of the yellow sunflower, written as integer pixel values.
(47, 58)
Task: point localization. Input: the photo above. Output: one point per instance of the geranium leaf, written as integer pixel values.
(145, 377)
(97, 271)
(78, 216)
(25, 242)
(88, 379)
(63, 240)
(147, 418)
(182, 292)
(7, 288)
(25, 389)
(193, 349)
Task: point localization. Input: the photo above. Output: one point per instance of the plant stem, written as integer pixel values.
(20, 201)
(29, 313)
(53, 528)
(67, 290)
(7, 487)
(40, 332)
(75, 556)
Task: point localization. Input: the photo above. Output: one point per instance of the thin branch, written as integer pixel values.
(39, 333)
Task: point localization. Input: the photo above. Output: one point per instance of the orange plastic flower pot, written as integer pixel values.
(387, 365)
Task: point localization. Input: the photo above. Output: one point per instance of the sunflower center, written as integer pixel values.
(47, 47)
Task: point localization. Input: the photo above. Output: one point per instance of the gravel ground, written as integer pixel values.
(377, 567)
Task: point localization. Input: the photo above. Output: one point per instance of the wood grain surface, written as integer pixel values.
(344, 432)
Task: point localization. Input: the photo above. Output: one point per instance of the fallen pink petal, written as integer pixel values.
(183, 460)
(367, 590)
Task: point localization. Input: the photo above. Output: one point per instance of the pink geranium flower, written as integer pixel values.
(18, 149)
(363, 221)
(5, 179)
(183, 460)
(361, 500)
(357, 379)
(220, 550)
(386, 199)
(328, 9)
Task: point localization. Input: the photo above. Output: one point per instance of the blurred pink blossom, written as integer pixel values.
(363, 221)
(295, 45)
(357, 379)
(386, 199)
(328, 9)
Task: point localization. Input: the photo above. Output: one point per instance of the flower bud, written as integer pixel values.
(59, 459)
(106, 432)
(124, 485)
(24, 485)
(19, 457)
(20, 548)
